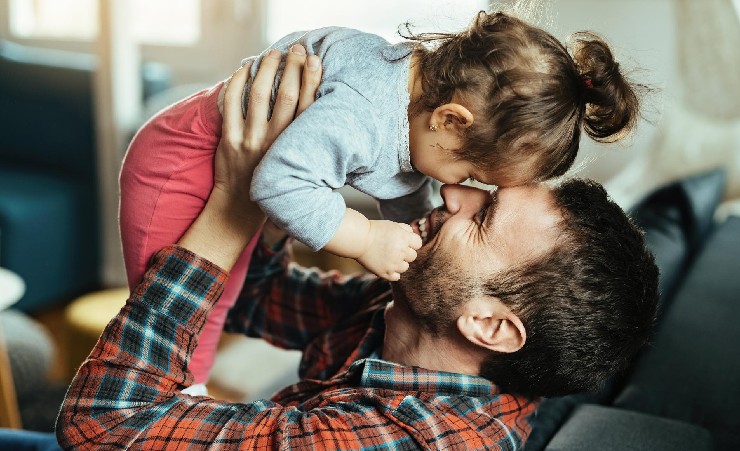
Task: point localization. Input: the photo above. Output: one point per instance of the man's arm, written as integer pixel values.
(230, 218)
(127, 394)
(289, 305)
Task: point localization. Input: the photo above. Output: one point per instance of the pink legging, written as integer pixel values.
(165, 181)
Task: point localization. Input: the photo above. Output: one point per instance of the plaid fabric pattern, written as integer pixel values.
(127, 394)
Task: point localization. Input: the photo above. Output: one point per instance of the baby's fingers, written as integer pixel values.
(414, 239)
(410, 255)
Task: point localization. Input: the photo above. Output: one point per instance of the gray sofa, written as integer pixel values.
(683, 393)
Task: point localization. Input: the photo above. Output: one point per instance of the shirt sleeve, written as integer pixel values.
(409, 207)
(295, 182)
(289, 305)
(126, 395)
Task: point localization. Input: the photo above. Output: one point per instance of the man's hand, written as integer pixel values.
(230, 218)
(245, 141)
(391, 247)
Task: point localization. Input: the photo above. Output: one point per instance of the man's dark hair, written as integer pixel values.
(588, 306)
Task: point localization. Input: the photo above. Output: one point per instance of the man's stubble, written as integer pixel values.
(433, 289)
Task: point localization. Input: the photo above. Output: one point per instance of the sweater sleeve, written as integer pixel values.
(289, 306)
(409, 207)
(296, 181)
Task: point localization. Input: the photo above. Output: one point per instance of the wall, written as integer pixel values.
(641, 31)
(230, 29)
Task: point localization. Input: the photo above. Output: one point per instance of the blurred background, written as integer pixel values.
(77, 78)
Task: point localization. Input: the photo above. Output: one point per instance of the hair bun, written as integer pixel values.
(612, 103)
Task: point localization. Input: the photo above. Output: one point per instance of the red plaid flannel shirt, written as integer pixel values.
(127, 395)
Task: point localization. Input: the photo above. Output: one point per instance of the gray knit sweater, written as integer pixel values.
(356, 133)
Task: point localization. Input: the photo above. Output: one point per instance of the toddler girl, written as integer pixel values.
(502, 102)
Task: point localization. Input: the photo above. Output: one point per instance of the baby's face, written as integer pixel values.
(443, 166)
(437, 154)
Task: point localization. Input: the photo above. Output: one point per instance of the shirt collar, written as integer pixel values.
(375, 373)
(378, 373)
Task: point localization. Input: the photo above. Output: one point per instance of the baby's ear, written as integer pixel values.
(453, 116)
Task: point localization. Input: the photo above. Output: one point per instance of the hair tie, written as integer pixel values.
(588, 83)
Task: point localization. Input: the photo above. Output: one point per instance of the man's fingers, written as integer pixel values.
(233, 122)
(259, 95)
(311, 81)
(290, 85)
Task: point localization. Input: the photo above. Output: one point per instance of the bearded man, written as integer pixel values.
(515, 294)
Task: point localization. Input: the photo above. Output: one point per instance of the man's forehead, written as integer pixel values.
(531, 207)
(537, 193)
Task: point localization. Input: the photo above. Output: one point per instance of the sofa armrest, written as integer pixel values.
(606, 428)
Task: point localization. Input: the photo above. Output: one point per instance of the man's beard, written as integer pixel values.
(433, 289)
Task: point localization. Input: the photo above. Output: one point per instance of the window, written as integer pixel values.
(381, 17)
(73, 19)
(171, 22)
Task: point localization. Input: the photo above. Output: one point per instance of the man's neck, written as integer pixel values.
(408, 344)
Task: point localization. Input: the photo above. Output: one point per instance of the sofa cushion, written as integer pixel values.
(692, 371)
(676, 219)
(607, 429)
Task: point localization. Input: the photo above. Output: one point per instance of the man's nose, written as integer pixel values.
(459, 198)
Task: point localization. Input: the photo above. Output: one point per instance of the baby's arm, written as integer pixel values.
(384, 247)
(296, 181)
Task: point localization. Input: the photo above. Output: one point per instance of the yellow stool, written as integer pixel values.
(86, 318)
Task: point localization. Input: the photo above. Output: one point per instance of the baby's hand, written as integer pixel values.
(391, 247)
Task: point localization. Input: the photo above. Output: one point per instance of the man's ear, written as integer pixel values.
(451, 117)
(490, 324)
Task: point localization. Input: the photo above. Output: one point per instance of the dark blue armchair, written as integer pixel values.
(49, 214)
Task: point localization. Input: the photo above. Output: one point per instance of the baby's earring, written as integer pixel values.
(433, 127)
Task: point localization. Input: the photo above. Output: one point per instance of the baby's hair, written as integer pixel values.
(529, 95)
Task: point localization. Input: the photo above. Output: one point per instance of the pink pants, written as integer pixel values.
(165, 181)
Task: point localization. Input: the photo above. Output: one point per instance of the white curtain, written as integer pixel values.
(702, 130)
